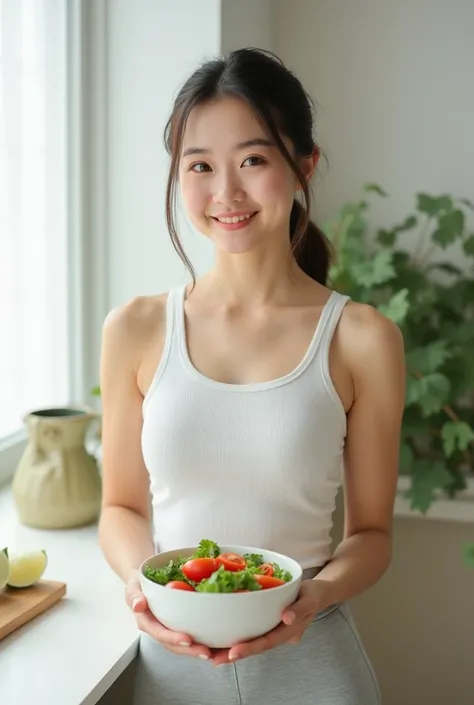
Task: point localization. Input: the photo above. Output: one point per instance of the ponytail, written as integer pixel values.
(310, 246)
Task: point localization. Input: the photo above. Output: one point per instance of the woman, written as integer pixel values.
(244, 399)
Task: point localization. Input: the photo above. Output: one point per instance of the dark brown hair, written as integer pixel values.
(283, 106)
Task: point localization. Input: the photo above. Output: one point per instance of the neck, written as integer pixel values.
(252, 279)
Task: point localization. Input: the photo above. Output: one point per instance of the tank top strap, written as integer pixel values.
(175, 323)
(334, 309)
(179, 298)
(172, 336)
(331, 316)
(325, 328)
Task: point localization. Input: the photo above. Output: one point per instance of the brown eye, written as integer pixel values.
(256, 161)
(200, 167)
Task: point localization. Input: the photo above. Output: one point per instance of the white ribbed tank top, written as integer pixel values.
(253, 464)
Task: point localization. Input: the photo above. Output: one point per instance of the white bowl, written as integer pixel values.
(220, 620)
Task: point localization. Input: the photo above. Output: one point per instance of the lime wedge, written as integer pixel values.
(26, 568)
(4, 568)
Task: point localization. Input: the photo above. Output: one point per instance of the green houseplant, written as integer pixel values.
(432, 300)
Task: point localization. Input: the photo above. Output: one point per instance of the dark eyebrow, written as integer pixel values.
(256, 142)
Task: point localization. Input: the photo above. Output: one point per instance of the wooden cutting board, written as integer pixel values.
(19, 605)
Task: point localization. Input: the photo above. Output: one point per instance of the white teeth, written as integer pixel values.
(235, 219)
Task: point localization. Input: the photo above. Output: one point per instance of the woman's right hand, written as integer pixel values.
(176, 642)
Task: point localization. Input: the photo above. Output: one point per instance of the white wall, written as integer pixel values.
(393, 81)
(152, 46)
(246, 23)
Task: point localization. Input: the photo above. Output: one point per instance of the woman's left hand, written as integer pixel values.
(295, 620)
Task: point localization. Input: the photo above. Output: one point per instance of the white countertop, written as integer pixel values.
(71, 654)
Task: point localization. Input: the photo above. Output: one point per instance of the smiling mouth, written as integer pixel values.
(234, 219)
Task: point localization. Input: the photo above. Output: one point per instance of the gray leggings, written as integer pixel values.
(328, 667)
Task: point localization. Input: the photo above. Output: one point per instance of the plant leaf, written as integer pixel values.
(467, 202)
(427, 477)
(409, 277)
(397, 307)
(432, 205)
(458, 297)
(414, 425)
(386, 237)
(447, 267)
(406, 456)
(463, 334)
(428, 358)
(377, 270)
(375, 188)
(450, 227)
(346, 225)
(468, 245)
(407, 224)
(429, 391)
(456, 435)
(349, 225)
(468, 553)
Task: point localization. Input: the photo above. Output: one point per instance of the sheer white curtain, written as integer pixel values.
(33, 205)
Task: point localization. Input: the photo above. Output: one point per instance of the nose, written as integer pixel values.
(228, 188)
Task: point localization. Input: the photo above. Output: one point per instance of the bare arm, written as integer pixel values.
(371, 457)
(125, 523)
(125, 532)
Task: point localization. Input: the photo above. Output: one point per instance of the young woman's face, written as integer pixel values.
(230, 171)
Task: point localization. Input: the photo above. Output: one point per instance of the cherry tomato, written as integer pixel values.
(232, 561)
(268, 581)
(180, 585)
(198, 569)
(266, 569)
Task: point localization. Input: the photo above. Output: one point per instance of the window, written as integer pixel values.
(34, 298)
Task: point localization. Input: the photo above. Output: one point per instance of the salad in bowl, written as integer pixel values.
(220, 595)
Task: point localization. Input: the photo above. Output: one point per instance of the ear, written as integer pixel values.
(308, 166)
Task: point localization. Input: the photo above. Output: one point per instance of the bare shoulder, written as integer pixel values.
(372, 344)
(130, 329)
(135, 315)
(367, 327)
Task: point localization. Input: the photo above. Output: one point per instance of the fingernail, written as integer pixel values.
(203, 657)
(184, 643)
(234, 657)
(135, 602)
(290, 618)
